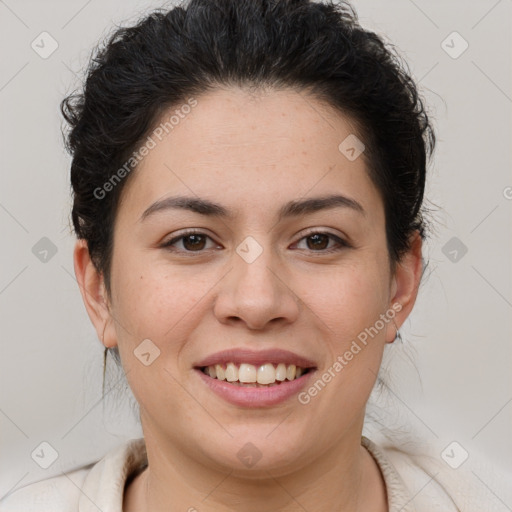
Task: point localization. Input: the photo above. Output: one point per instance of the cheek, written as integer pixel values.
(149, 296)
(153, 303)
(349, 298)
(351, 308)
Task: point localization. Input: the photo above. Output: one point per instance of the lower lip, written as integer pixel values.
(255, 397)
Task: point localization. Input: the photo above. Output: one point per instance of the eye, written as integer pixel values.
(320, 239)
(193, 241)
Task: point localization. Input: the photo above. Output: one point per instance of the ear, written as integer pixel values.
(94, 294)
(404, 285)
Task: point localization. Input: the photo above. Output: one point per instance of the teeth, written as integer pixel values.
(248, 373)
(251, 375)
(219, 371)
(281, 372)
(266, 374)
(231, 372)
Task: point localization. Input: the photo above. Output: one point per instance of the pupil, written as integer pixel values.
(321, 246)
(189, 237)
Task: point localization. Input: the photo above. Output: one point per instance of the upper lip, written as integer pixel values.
(257, 358)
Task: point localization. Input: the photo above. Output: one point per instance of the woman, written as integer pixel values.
(248, 180)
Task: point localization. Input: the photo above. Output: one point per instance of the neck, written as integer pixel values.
(345, 479)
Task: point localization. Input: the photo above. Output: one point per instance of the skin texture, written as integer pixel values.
(251, 153)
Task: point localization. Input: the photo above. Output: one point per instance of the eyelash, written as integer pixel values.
(342, 244)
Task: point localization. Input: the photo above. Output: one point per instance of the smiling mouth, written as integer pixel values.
(248, 375)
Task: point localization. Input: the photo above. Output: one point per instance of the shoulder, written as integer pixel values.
(432, 481)
(98, 485)
(56, 494)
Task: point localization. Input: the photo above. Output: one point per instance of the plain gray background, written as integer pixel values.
(459, 335)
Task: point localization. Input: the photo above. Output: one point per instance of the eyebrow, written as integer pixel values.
(290, 209)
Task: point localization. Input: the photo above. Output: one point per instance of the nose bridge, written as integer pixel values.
(254, 291)
(253, 266)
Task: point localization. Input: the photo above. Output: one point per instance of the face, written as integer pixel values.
(314, 281)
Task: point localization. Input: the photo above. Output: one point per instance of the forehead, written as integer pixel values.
(276, 144)
(236, 118)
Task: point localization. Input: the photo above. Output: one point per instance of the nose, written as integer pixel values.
(256, 293)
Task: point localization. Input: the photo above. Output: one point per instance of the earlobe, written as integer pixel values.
(94, 295)
(405, 285)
